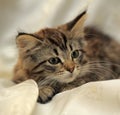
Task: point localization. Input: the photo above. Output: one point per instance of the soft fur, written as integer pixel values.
(63, 58)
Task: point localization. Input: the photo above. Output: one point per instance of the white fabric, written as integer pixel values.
(17, 99)
(98, 98)
(95, 98)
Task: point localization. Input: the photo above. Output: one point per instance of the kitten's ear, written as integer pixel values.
(75, 24)
(26, 41)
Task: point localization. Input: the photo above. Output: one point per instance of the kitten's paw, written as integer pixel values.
(45, 94)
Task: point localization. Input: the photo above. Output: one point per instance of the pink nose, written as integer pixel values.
(69, 66)
(70, 69)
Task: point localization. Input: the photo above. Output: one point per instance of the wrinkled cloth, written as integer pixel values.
(95, 98)
(17, 99)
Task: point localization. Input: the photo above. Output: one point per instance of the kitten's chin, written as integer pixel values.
(67, 80)
(67, 77)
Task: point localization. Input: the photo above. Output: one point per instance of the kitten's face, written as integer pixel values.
(58, 56)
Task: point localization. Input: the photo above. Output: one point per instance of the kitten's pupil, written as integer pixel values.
(54, 60)
(75, 54)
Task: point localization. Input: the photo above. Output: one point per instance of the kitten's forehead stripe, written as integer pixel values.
(55, 51)
(53, 41)
(71, 47)
(65, 40)
(62, 41)
(57, 38)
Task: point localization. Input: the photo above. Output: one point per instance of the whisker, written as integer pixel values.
(104, 69)
(104, 66)
(95, 73)
(103, 62)
(99, 69)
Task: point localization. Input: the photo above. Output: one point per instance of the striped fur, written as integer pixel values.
(58, 59)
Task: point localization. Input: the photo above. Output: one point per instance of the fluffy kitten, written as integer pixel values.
(63, 58)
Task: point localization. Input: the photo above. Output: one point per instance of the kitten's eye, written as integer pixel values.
(75, 54)
(55, 60)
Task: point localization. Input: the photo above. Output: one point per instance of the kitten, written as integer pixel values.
(63, 58)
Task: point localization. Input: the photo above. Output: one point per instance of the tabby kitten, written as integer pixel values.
(63, 58)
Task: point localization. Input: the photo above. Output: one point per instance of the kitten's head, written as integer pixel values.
(52, 54)
(55, 54)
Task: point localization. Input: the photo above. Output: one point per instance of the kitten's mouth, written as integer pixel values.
(70, 75)
(69, 78)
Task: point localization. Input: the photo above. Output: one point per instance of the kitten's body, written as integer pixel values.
(64, 58)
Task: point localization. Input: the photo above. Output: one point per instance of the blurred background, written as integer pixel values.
(30, 16)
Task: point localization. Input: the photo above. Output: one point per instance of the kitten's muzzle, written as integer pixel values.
(69, 66)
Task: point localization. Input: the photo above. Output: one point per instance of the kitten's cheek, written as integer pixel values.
(76, 72)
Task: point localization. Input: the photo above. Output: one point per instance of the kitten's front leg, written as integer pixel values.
(45, 94)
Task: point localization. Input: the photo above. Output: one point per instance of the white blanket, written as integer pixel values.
(95, 98)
